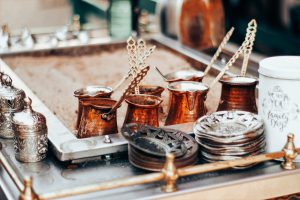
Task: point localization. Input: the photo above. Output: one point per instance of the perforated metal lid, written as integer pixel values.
(28, 119)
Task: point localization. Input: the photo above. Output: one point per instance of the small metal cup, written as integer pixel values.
(238, 93)
(186, 102)
(91, 123)
(143, 109)
(90, 92)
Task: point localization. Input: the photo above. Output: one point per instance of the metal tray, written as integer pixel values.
(51, 175)
(64, 143)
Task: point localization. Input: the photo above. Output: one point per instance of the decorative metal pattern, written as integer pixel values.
(147, 149)
(31, 148)
(30, 141)
(228, 135)
(154, 141)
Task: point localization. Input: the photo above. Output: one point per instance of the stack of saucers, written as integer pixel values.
(229, 135)
(148, 146)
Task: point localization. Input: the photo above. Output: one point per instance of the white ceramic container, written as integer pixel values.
(279, 99)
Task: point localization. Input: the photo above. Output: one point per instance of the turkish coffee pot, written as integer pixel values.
(186, 102)
(143, 109)
(238, 93)
(91, 122)
(11, 101)
(90, 92)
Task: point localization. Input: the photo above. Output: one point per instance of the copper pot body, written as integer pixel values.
(90, 92)
(238, 93)
(143, 109)
(91, 123)
(186, 102)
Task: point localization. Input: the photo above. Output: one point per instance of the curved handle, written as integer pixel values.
(127, 92)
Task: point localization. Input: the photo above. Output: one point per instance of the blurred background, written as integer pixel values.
(278, 20)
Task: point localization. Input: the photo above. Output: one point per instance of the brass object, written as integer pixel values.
(249, 39)
(186, 102)
(238, 93)
(250, 36)
(290, 153)
(219, 50)
(143, 109)
(92, 91)
(31, 134)
(183, 75)
(91, 123)
(137, 79)
(138, 53)
(170, 173)
(11, 101)
(28, 193)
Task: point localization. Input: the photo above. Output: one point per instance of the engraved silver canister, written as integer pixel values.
(11, 101)
(30, 141)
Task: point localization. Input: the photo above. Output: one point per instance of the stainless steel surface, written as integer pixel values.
(51, 175)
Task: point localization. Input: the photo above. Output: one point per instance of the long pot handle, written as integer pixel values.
(127, 92)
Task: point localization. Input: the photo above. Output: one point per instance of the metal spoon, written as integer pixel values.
(161, 74)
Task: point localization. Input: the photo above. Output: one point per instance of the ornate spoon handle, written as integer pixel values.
(137, 79)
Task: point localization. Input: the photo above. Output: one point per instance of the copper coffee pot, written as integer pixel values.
(238, 93)
(186, 102)
(91, 123)
(201, 24)
(143, 109)
(99, 116)
(90, 92)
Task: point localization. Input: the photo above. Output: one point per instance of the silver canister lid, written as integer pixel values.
(11, 98)
(29, 120)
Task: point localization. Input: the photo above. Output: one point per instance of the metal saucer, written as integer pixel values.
(229, 135)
